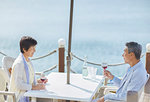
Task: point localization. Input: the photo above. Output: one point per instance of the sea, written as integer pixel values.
(100, 30)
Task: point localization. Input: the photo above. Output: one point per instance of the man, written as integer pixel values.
(134, 79)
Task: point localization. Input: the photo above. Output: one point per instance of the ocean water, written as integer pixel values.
(100, 29)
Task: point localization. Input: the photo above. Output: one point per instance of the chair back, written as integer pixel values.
(147, 86)
(2, 84)
(7, 63)
(145, 97)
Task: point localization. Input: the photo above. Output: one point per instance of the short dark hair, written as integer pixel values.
(26, 42)
(135, 48)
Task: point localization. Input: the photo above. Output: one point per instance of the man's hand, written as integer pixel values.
(108, 74)
(101, 99)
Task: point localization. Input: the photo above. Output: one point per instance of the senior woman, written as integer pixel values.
(22, 75)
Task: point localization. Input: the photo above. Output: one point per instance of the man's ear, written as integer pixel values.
(132, 54)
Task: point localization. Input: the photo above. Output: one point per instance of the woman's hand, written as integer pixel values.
(39, 86)
(108, 74)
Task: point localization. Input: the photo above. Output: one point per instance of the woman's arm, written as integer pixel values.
(19, 73)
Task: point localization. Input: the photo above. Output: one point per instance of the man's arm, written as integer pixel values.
(116, 81)
(119, 97)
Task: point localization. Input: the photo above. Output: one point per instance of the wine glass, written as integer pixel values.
(104, 66)
(43, 78)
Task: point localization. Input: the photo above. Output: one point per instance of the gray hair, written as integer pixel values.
(135, 48)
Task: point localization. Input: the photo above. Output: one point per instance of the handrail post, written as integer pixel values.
(61, 62)
(148, 58)
(147, 87)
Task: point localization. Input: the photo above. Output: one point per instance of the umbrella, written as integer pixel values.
(69, 42)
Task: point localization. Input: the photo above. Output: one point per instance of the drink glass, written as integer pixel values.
(104, 66)
(92, 72)
(43, 78)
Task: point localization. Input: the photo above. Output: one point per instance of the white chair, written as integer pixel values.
(2, 84)
(7, 63)
(132, 96)
(145, 97)
(3, 87)
(8, 93)
(107, 89)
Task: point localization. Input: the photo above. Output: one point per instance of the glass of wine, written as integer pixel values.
(43, 78)
(104, 66)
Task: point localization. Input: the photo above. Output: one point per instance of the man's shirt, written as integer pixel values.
(133, 80)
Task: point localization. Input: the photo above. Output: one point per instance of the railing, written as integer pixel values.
(61, 63)
(41, 57)
(92, 63)
(61, 59)
(50, 53)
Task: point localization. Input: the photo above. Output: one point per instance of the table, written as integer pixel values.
(79, 89)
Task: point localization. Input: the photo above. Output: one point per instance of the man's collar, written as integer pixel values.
(135, 66)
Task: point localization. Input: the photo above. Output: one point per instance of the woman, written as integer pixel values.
(22, 75)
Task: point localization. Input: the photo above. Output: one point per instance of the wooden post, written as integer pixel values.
(148, 58)
(147, 86)
(61, 62)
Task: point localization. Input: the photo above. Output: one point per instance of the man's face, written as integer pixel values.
(126, 55)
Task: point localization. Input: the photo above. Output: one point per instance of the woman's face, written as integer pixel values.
(30, 51)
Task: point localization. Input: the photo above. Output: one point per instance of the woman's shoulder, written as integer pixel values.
(18, 61)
